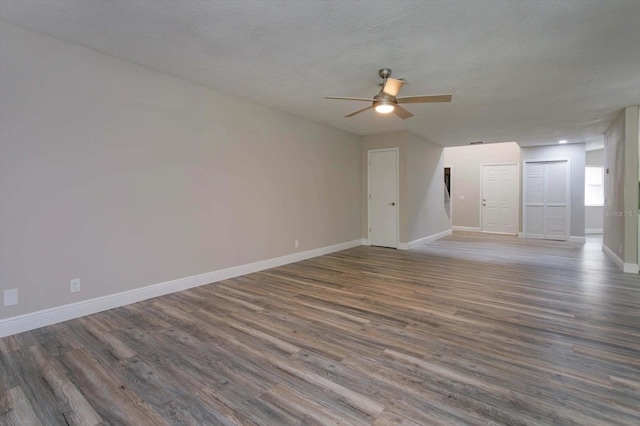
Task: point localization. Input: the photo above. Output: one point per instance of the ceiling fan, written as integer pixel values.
(387, 101)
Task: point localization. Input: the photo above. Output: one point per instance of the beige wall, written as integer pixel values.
(426, 214)
(621, 186)
(125, 177)
(631, 185)
(614, 186)
(466, 162)
(421, 198)
(594, 215)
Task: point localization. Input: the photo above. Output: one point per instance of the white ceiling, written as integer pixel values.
(527, 71)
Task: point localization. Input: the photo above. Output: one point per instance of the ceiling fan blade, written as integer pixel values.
(392, 86)
(348, 99)
(401, 112)
(358, 111)
(423, 99)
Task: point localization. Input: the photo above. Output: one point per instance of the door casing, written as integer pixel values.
(515, 203)
(526, 233)
(396, 152)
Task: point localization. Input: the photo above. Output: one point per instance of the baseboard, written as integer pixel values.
(531, 236)
(403, 246)
(31, 321)
(570, 239)
(593, 231)
(627, 268)
(466, 228)
(366, 242)
(429, 238)
(613, 256)
(580, 240)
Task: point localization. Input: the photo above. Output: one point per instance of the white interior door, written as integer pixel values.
(383, 198)
(534, 201)
(556, 200)
(500, 199)
(546, 200)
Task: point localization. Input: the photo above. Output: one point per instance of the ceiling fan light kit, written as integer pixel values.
(384, 107)
(387, 101)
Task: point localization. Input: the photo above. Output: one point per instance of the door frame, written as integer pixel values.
(524, 197)
(482, 165)
(450, 194)
(397, 201)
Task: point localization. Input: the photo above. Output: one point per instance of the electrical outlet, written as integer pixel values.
(296, 244)
(11, 297)
(75, 285)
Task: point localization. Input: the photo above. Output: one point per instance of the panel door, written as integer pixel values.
(546, 200)
(499, 199)
(383, 198)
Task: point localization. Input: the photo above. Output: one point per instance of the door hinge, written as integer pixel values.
(369, 229)
(369, 196)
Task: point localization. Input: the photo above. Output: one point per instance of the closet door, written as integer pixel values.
(556, 201)
(534, 200)
(546, 200)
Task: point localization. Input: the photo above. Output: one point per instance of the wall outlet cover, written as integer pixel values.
(11, 297)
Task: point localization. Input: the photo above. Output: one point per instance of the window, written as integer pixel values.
(594, 186)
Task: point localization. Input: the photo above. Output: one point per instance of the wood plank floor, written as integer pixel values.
(471, 329)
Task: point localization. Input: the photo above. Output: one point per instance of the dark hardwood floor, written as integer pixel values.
(471, 329)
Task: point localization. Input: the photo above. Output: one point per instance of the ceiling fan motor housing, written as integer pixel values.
(384, 73)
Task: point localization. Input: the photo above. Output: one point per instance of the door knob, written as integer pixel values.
(392, 204)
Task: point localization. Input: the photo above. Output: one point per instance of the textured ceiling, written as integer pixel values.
(526, 71)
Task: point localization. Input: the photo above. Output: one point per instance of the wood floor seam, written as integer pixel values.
(471, 329)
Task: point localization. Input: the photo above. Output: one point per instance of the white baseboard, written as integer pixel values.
(429, 238)
(366, 242)
(466, 228)
(31, 321)
(570, 239)
(593, 231)
(629, 268)
(531, 236)
(403, 246)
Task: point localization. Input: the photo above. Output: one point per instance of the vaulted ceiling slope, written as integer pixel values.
(526, 71)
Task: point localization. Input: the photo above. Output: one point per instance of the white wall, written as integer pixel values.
(575, 153)
(126, 177)
(466, 164)
(593, 219)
